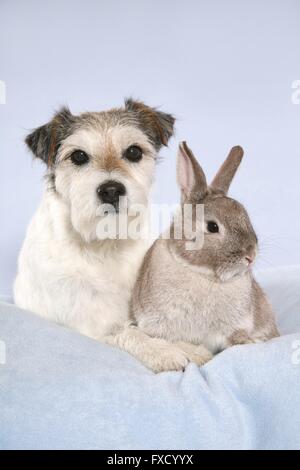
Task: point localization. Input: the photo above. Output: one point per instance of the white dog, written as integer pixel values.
(66, 273)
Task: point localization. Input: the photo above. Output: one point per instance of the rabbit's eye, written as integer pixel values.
(212, 227)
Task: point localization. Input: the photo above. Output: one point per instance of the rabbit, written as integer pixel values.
(204, 300)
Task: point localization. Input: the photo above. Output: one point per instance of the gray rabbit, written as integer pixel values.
(206, 299)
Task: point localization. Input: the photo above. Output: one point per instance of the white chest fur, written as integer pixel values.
(83, 286)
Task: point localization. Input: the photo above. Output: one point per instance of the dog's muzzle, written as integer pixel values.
(110, 192)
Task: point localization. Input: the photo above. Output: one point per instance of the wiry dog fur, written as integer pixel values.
(68, 275)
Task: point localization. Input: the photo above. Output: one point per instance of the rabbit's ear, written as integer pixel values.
(190, 176)
(223, 178)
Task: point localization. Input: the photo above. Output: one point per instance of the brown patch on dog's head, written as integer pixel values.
(44, 141)
(111, 161)
(157, 125)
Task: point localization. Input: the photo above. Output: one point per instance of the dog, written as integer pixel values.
(65, 272)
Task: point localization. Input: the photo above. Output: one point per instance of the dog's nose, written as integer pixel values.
(110, 192)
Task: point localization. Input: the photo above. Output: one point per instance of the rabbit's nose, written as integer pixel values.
(250, 254)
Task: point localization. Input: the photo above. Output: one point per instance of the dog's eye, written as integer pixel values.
(79, 157)
(212, 227)
(133, 153)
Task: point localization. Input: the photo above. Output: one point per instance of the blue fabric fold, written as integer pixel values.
(61, 390)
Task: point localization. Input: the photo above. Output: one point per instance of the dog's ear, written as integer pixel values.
(45, 140)
(157, 125)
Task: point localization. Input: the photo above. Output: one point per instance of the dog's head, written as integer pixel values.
(95, 158)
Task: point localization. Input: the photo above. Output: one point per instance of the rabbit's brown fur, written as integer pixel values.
(206, 297)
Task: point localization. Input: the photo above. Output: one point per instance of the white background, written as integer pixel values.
(224, 68)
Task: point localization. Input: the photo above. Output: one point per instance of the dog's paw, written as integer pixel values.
(155, 353)
(197, 354)
(167, 357)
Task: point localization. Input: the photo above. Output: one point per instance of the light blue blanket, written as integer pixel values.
(60, 390)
